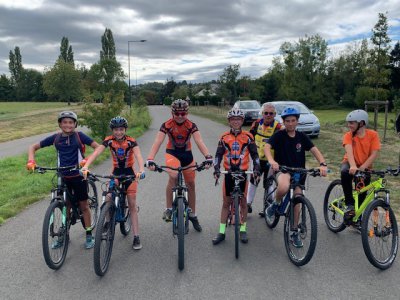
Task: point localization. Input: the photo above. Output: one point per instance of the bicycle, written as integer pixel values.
(114, 211)
(180, 208)
(57, 221)
(378, 222)
(238, 177)
(306, 226)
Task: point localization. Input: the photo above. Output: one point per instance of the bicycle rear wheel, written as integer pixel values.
(181, 233)
(237, 224)
(55, 236)
(268, 199)
(379, 234)
(104, 239)
(306, 229)
(126, 225)
(93, 203)
(334, 196)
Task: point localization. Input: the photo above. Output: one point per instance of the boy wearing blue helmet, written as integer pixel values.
(289, 147)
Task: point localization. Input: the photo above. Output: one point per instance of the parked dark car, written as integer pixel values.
(251, 109)
(308, 122)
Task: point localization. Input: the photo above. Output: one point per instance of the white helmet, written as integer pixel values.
(235, 112)
(358, 115)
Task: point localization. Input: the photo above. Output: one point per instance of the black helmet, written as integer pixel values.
(118, 122)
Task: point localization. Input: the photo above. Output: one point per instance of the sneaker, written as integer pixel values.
(167, 215)
(349, 213)
(261, 213)
(136, 243)
(57, 244)
(249, 208)
(218, 239)
(89, 242)
(271, 209)
(295, 239)
(243, 237)
(195, 222)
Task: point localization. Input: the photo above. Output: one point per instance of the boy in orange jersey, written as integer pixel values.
(124, 149)
(233, 150)
(362, 146)
(179, 153)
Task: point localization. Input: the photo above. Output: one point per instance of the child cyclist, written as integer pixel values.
(233, 150)
(179, 153)
(69, 145)
(362, 146)
(124, 150)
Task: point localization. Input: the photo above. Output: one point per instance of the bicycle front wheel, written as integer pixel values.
(379, 234)
(300, 232)
(104, 239)
(237, 224)
(334, 196)
(126, 225)
(268, 199)
(181, 233)
(55, 236)
(93, 204)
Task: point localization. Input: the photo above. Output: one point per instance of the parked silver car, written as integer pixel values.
(251, 109)
(308, 122)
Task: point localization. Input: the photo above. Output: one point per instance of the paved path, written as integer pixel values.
(338, 270)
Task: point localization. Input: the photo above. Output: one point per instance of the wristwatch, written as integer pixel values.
(323, 164)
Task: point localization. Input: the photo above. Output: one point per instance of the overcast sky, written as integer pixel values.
(191, 40)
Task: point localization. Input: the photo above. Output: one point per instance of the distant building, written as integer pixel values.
(211, 92)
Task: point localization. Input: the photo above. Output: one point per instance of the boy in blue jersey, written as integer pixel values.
(69, 145)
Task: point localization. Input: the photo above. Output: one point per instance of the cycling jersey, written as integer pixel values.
(262, 133)
(234, 150)
(121, 151)
(179, 134)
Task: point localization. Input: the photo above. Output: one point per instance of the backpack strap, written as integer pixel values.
(82, 146)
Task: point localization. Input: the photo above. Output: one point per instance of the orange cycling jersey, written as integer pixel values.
(235, 151)
(121, 151)
(179, 134)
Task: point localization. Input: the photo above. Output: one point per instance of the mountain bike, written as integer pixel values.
(112, 212)
(180, 208)
(304, 224)
(57, 221)
(234, 211)
(374, 215)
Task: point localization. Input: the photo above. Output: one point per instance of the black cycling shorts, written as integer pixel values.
(77, 187)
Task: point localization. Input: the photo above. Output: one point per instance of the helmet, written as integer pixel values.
(118, 122)
(358, 115)
(290, 111)
(235, 112)
(67, 114)
(179, 105)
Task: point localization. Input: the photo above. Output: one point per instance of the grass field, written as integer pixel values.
(22, 119)
(330, 142)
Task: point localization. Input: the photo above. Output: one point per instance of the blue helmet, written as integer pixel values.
(290, 111)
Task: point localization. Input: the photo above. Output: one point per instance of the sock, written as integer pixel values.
(243, 227)
(88, 231)
(251, 192)
(222, 228)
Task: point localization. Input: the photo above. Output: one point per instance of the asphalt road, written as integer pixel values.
(338, 270)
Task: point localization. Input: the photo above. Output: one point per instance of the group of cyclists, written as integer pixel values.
(269, 143)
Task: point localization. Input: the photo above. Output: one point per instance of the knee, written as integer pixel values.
(191, 185)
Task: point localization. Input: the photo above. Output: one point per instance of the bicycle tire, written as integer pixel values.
(53, 231)
(104, 239)
(271, 222)
(181, 233)
(93, 204)
(333, 219)
(126, 225)
(388, 240)
(307, 222)
(237, 224)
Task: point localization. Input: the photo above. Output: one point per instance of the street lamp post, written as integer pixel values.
(129, 70)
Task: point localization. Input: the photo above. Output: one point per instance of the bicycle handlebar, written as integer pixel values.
(197, 167)
(43, 170)
(313, 171)
(95, 176)
(380, 173)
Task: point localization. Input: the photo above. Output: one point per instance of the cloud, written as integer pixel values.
(191, 40)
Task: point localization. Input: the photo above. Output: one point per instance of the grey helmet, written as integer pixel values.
(235, 112)
(68, 114)
(358, 115)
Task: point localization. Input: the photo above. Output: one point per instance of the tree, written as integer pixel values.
(66, 53)
(30, 87)
(394, 63)
(107, 45)
(63, 82)
(6, 89)
(228, 80)
(15, 65)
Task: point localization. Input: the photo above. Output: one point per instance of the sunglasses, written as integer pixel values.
(268, 113)
(182, 114)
